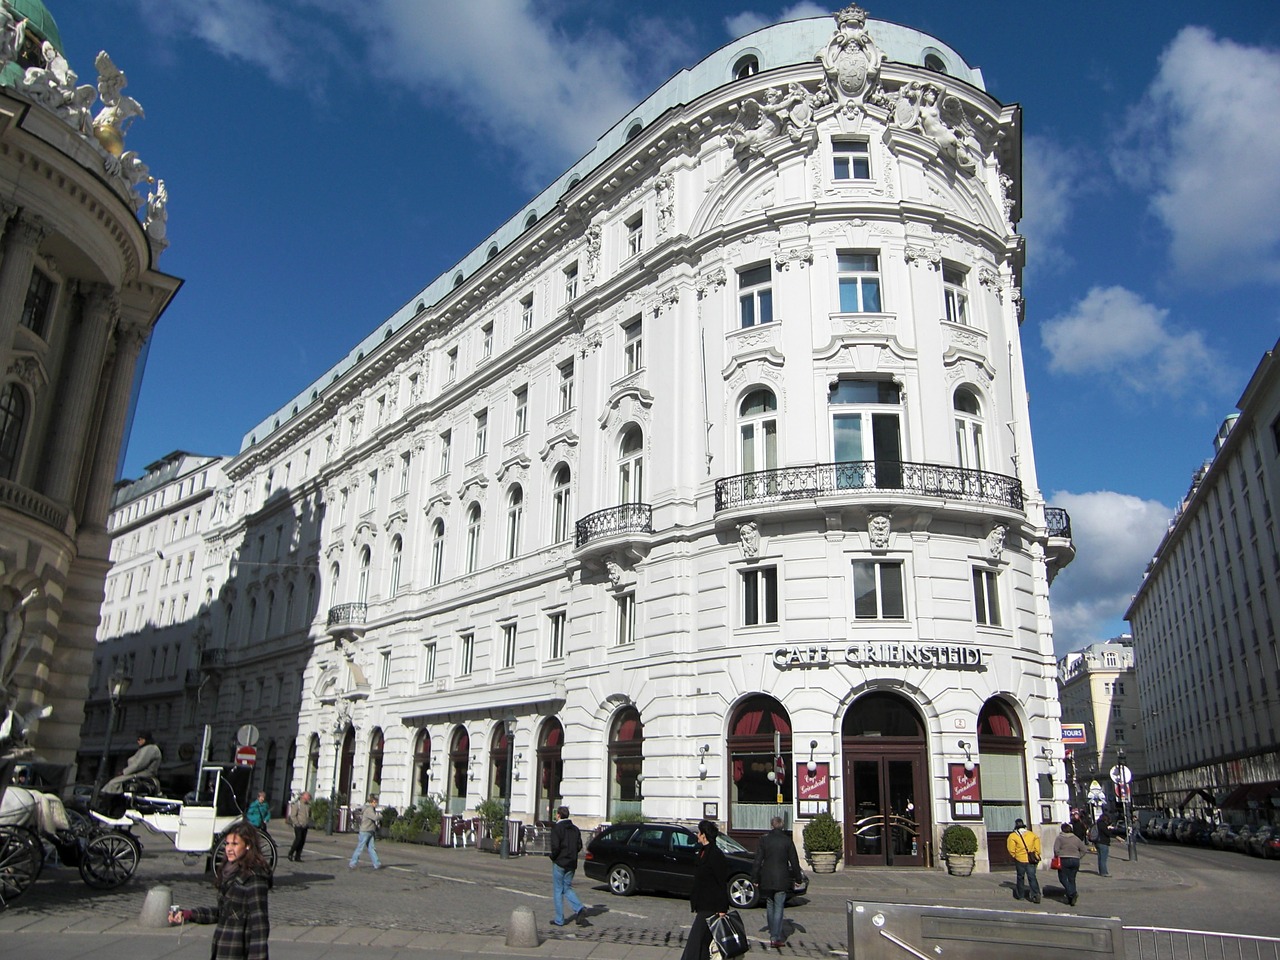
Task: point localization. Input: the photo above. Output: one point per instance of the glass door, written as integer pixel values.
(881, 813)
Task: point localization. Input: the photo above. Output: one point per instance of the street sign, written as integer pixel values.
(247, 735)
(1096, 794)
(1121, 774)
(1073, 733)
(246, 756)
(1122, 792)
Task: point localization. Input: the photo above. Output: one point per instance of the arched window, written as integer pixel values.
(335, 572)
(631, 466)
(493, 252)
(362, 587)
(499, 761)
(759, 774)
(376, 744)
(634, 130)
(346, 765)
(437, 552)
(13, 420)
(271, 614)
(758, 431)
(313, 764)
(397, 552)
(457, 280)
(226, 626)
(531, 219)
(626, 763)
(515, 520)
(1001, 758)
(969, 437)
(252, 632)
(420, 786)
(311, 597)
(934, 62)
(288, 607)
(561, 521)
(459, 771)
(473, 537)
(746, 66)
(550, 768)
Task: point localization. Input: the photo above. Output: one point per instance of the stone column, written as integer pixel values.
(131, 335)
(22, 237)
(78, 391)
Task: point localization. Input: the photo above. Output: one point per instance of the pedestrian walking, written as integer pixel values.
(1024, 847)
(1078, 826)
(566, 844)
(243, 924)
(370, 817)
(259, 812)
(299, 817)
(1101, 835)
(776, 872)
(1068, 849)
(710, 894)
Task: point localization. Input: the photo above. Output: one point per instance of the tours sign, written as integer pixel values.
(881, 653)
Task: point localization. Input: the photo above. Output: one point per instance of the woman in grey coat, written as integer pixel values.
(1069, 848)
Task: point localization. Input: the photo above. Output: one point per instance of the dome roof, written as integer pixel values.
(39, 20)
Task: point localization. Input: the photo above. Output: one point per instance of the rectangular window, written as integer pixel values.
(35, 310)
(526, 314)
(571, 282)
(556, 624)
(451, 365)
(429, 662)
(566, 386)
(521, 423)
(851, 159)
(633, 346)
(508, 645)
(482, 433)
(486, 341)
(986, 597)
(406, 460)
(859, 278)
(878, 590)
(384, 668)
(955, 294)
(635, 234)
(446, 451)
(626, 632)
(466, 654)
(755, 296)
(373, 490)
(759, 596)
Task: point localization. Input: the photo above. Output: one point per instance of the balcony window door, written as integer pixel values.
(867, 434)
(631, 467)
(969, 437)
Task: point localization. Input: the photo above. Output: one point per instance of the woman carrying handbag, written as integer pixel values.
(1068, 849)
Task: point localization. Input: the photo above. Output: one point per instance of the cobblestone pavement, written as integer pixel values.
(425, 897)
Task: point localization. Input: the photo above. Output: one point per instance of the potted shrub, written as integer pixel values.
(493, 812)
(959, 845)
(320, 812)
(823, 843)
(389, 817)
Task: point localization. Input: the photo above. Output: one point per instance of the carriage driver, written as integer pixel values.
(143, 765)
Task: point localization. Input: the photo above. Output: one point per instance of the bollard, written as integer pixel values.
(155, 909)
(522, 929)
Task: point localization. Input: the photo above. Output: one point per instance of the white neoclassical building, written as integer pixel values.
(82, 225)
(705, 486)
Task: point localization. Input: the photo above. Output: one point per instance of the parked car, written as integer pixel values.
(1195, 831)
(1224, 837)
(1259, 840)
(660, 856)
(1154, 828)
(1271, 846)
(1242, 839)
(1170, 831)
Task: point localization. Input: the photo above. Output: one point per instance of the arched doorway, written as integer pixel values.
(499, 761)
(376, 745)
(313, 764)
(626, 761)
(886, 783)
(759, 751)
(347, 765)
(421, 783)
(459, 772)
(550, 769)
(1001, 758)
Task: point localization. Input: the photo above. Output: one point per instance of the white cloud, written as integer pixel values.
(1114, 331)
(1051, 186)
(1115, 536)
(740, 24)
(1206, 140)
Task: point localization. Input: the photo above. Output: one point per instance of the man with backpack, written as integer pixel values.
(566, 844)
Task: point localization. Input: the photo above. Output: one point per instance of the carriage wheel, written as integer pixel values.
(109, 860)
(266, 847)
(21, 857)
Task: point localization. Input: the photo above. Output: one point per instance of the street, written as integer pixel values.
(426, 890)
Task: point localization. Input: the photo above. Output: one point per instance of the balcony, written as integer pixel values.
(628, 519)
(1058, 522)
(1059, 548)
(213, 660)
(853, 477)
(31, 504)
(347, 620)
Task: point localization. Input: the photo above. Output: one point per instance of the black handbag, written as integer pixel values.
(728, 935)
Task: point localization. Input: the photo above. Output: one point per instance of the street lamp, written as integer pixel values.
(117, 686)
(504, 849)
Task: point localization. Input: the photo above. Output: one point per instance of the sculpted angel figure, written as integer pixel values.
(788, 111)
(851, 58)
(157, 212)
(11, 35)
(118, 110)
(941, 118)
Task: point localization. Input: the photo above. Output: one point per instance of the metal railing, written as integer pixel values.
(856, 476)
(347, 614)
(625, 518)
(1164, 943)
(213, 658)
(1058, 522)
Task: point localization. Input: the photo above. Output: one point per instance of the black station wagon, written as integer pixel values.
(660, 856)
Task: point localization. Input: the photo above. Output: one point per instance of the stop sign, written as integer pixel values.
(246, 756)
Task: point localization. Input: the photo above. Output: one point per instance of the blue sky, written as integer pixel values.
(325, 160)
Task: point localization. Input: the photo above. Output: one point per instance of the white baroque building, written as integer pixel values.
(1204, 626)
(705, 486)
(82, 225)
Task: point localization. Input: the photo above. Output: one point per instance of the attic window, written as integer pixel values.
(420, 307)
(531, 219)
(276, 424)
(457, 280)
(747, 66)
(935, 63)
(315, 395)
(294, 413)
(493, 252)
(387, 335)
(634, 130)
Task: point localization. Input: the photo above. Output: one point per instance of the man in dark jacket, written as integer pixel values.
(1102, 829)
(566, 844)
(710, 894)
(776, 872)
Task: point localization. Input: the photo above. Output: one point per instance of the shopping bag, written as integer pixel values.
(728, 935)
(1055, 863)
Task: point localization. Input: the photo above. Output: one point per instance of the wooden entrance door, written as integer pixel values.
(886, 811)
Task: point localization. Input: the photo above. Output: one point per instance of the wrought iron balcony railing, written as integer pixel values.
(347, 615)
(213, 659)
(625, 518)
(1058, 521)
(854, 476)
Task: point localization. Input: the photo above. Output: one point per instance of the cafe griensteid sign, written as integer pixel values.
(881, 653)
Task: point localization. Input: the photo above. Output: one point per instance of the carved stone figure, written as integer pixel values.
(878, 529)
(614, 569)
(851, 60)
(939, 116)
(118, 110)
(11, 35)
(789, 112)
(995, 541)
(593, 250)
(749, 538)
(157, 212)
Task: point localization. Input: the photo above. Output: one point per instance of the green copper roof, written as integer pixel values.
(40, 20)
